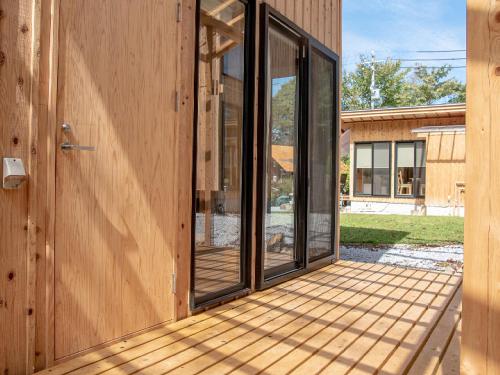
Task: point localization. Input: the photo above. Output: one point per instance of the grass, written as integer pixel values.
(397, 229)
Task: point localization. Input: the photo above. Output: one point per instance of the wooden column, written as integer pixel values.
(481, 300)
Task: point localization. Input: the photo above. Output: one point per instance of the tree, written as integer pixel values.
(283, 114)
(432, 85)
(399, 86)
(390, 78)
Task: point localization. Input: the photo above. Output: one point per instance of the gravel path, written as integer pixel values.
(444, 258)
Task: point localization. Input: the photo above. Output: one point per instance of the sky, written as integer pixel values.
(399, 28)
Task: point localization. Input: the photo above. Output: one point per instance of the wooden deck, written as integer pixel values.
(354, 318)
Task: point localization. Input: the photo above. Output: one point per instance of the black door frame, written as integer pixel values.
(309, 43)
(243, 287)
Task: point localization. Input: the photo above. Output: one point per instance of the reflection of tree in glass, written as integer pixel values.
(281, 188)
(283, 114)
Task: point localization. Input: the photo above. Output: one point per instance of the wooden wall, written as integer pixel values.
(26, 123)
(445, 155)
(445, 167)
(18, 116)
(481, 297)
(320, 18)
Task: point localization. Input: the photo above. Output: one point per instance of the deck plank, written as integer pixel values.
(252, 353)
(401, 358)
(384, 320)
(105, 357)
(207, 347)
(450, 365)
(355, 318)
(383, 348)
(334, 350)
(431, 355)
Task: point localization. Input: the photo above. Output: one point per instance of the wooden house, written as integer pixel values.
(119, 111)
(146, 131)
(407, 160)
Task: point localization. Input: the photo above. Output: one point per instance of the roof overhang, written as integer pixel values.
(444, 129)
(404, 113)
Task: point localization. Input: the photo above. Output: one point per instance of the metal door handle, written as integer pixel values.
(70, 147)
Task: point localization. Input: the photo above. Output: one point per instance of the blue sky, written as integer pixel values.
(398, 28)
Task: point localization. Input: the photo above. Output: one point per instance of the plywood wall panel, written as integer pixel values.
(320, 18)
(16, 35)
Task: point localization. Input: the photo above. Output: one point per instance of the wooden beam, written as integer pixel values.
(225, 48)
(221, 27)
(221, 7)
(481, 300)
(237, 19)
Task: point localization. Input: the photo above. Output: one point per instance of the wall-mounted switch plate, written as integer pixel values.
(14, 173)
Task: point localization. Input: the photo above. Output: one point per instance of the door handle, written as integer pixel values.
(66, 146)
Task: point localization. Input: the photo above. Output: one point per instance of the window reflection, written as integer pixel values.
(219, 146)
(321, 163)
(283, 70)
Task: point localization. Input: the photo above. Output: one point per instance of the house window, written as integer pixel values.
(372, 168)
(410, 169)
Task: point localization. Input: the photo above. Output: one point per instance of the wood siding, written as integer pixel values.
(481, 300)
(18, 116)
(28, 78)
(320, 18)
(445, 156)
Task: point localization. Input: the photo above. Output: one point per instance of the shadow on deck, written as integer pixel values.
(349, 317)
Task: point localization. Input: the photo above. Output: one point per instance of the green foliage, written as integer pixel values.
(399, 87)
(283, 114)
(431, 85)
(345, 168)
(283, 186)
(398, 229)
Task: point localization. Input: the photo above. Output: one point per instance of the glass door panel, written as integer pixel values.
(282, 153)
(218, 243)
(297, 146)
(322, 157)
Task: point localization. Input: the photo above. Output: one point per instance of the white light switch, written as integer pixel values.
(14, 173)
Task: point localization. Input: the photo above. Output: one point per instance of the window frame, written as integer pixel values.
(246, 188)
(414, 195)
(264, 279)
(355, 193)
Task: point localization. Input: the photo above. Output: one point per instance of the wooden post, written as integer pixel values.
(481, 299)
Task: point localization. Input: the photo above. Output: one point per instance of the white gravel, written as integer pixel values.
(443, 258)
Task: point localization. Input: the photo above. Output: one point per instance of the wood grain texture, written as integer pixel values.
(114, 223)
(354, 318)
(16, 118)
(320, 18)
(30, 115)
(183, 155)
(481, 300)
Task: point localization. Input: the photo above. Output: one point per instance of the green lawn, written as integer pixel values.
(397, 229)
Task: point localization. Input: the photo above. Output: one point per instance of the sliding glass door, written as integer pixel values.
(321, 155)
(282, 150)
(223, 152)
(297, 196)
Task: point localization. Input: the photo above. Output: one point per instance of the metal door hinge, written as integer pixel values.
(174, 281)
(179, 11)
